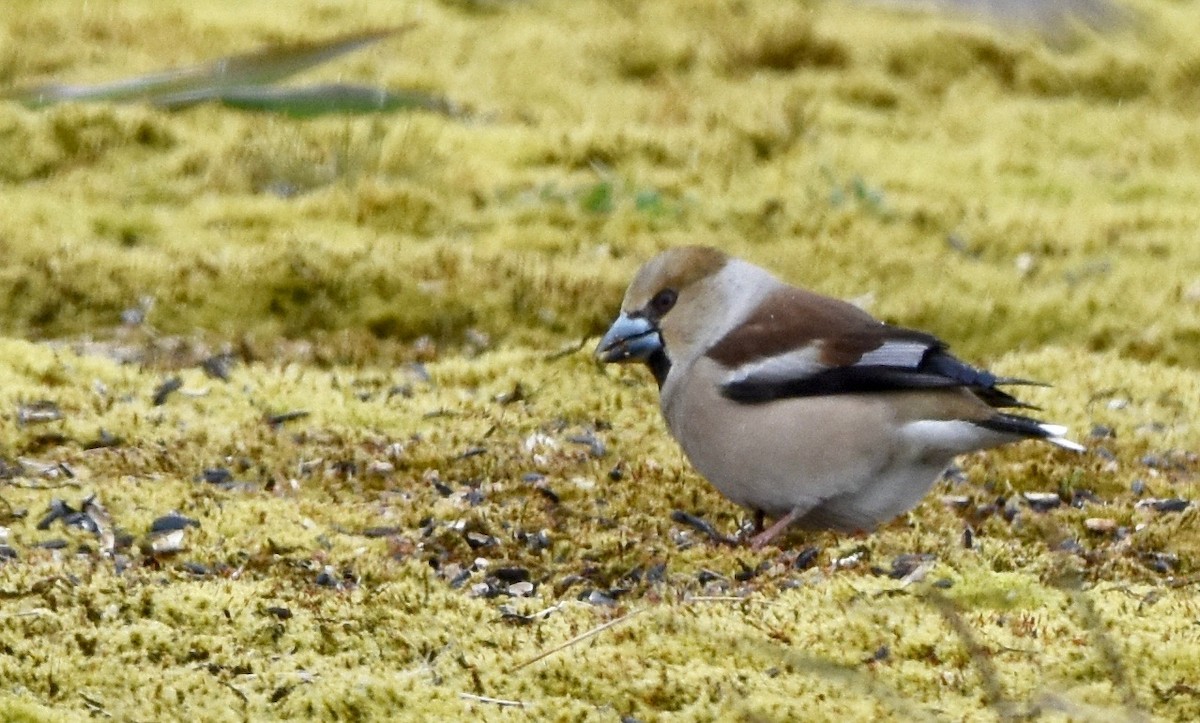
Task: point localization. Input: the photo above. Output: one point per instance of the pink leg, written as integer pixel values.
(761, 539)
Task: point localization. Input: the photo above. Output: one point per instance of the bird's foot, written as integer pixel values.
(766, 536)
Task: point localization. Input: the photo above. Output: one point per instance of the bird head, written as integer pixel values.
(668, 309)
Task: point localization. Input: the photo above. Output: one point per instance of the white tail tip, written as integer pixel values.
(1055, 434)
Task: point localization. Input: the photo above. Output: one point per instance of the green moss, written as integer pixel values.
(209, 195)
(450, 455)
(419, 286)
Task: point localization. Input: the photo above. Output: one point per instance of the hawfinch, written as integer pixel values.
(802, 407)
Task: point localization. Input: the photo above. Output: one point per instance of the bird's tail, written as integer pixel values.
(1029, 427)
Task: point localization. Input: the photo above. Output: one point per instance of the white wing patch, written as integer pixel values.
(796, 364)
(806, 362)
(895, 353)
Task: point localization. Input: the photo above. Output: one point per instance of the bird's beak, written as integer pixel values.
(630, 338)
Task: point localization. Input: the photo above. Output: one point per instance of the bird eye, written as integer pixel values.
(663, 301)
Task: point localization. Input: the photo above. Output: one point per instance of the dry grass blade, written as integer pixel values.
(314, 100)
(851, 677)
(210, 79)
(1104, 644)
(993, 693)
(1052, 20)
(502, 702)
(575, 640)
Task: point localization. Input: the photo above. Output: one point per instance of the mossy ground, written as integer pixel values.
(419, 285)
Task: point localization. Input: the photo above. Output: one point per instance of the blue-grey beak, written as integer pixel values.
(630, 338)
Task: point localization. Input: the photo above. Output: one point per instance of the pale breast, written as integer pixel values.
(783, 454)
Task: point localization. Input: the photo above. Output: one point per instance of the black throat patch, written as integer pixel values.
(659, 365)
